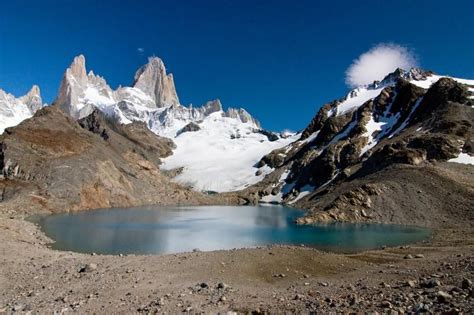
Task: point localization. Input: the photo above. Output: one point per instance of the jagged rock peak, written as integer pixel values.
(243, 115)
(212, 106)
(153, 80)
(78, 67)
(32, 99)
(399, 73)
(73, 97)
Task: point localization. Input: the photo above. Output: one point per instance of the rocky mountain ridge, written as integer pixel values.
(411, 121)
(152, 98)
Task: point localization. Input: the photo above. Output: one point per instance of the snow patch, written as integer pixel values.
(463, 158)
(304, 191)
(357, 98)
(372, 127)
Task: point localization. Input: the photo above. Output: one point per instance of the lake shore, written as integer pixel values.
(432, 275)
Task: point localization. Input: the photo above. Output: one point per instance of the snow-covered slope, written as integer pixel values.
(216, 149)
(14, 110)
(222, 154)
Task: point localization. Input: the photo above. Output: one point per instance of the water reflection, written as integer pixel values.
(152, 230)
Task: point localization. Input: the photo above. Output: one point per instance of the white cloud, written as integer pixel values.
(376, 63)
(140, 50)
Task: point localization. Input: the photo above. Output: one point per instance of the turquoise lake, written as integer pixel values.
(159, 230)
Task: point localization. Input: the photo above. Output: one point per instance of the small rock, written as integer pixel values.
(88, 268)
(223, 299)
(299, 297)
(17, 308)
(443, 297)
(432, 283)
(324, 284)
(386, 304)
(419, 256)
(411, 283)
(408, 257)
(222, 285)
(203, 285)
(196, 250)
(466, 284)
(385, 285)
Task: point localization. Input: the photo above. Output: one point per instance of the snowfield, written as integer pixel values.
(222, 155)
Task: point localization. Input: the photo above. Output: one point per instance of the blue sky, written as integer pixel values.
(281, 60)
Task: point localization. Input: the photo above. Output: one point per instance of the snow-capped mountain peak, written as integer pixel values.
(198, 132)
(14, 110)
(153, 80)
(79, 92)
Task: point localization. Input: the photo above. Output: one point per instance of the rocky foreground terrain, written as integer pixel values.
(433, 277)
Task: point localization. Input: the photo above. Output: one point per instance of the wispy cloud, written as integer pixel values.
(376, 63)
(140, 50)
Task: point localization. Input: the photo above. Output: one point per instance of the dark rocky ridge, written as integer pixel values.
(388, 182)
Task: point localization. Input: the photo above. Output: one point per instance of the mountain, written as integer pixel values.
(53, 163)
(14, 110)
(367, 156)
(216, 150)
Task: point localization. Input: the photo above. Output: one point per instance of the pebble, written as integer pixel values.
(432, 283)
(299, 297)
(443, 297)
(222, 285)
(466, 284)
(419, 256)
(88, 268)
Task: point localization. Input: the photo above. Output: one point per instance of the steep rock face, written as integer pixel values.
(14, 110)
(416, 120)
(54, 163)
(79, 93)
(153, 80)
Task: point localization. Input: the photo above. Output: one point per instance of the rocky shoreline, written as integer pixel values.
(433, 276)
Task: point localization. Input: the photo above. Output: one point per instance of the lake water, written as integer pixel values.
(157, 230)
